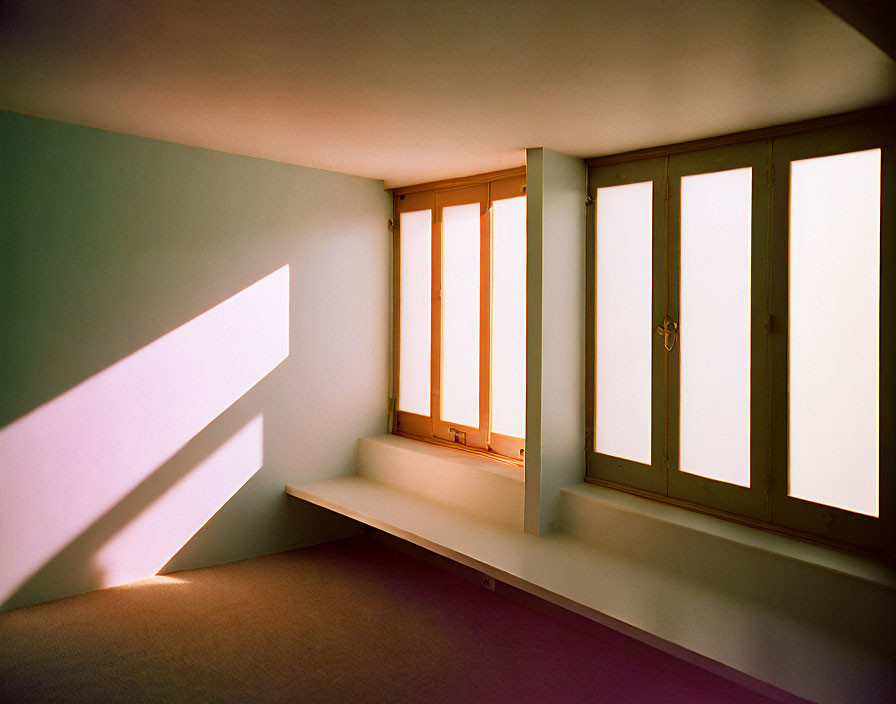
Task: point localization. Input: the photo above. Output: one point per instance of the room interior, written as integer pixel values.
(196, 300)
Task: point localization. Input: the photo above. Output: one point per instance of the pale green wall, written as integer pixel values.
(110, 241)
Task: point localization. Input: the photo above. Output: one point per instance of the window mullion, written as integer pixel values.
(768, 325)
(485, 331)
(436, 317)
(668, 365)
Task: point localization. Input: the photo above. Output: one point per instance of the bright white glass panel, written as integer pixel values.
(624, 321)
(508, 347)
(460, 314)
(416, 312)
(834, 337)
(714, 420)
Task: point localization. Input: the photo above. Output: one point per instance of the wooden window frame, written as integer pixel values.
(482, 189)
(766, 504)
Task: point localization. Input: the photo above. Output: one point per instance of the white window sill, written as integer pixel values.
(481, 486)
(581, 501)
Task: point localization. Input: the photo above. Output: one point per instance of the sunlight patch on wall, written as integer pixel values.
(153, 537)
(68, 462)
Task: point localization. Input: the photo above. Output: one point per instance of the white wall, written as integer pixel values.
(140, 399)
(555, 342)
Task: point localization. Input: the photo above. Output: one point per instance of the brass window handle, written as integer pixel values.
(669, 331)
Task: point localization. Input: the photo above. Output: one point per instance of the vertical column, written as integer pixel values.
(555, 329)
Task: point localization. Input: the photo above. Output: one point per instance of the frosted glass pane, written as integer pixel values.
(415, 312)
(509, 317)
(460, 314)
(834, 343)
(714, 329)
(624, 333)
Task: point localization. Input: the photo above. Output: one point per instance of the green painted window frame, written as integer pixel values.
(765, 504)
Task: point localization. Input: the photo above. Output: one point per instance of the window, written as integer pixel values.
(460, 312)
(737, 361)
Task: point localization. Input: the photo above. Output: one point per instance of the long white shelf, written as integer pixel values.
(557, 566)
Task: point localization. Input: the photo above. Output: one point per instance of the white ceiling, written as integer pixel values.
(416, 90)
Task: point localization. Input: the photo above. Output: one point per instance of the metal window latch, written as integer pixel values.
(458, 436)
(669, 331)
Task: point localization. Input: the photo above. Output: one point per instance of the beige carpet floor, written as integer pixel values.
(349, 621)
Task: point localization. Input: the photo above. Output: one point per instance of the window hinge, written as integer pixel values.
(589, 200)
(391, 224)
(767, 322)
(458, 436)
(665, 463)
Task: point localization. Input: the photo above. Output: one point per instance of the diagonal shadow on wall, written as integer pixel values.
(142, 532)
(72, 460)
